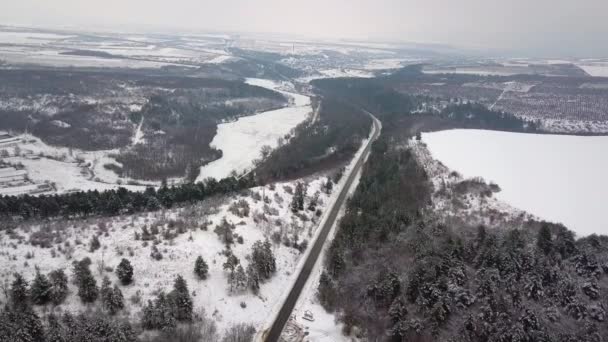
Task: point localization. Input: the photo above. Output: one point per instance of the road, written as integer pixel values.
(273, 334)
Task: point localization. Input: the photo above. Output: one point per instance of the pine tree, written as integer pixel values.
(55, 332)
(263, 259)
(181, 301)
(111, 298)
(240, 278)
(200, 268)
(95, 244)
(253, 278)
(59, 286)
(397, 311)
(19, 298)
(159, 314)
(230, 265)
(312, 205)
(297, 202)
(87, 285)
(124, 271)
(328, 186)
(106, 290)
(21, 325)
(543, 241)
(327, 292)
(40, 291)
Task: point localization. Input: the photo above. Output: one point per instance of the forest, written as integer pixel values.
(394, 272)
(329, 141)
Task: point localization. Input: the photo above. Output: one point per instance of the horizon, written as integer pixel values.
(542, 29)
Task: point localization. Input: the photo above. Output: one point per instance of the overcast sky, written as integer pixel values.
(551, 27)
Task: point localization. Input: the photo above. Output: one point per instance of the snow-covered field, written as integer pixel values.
(179, 252)
(555, 177)
(66, 169)
(241, 140)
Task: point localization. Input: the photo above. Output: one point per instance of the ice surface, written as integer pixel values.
(555, 177)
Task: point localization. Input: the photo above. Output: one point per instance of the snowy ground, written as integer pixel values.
(555, 177)
(179, 252)
(471, 207)
(241, 140)
(66, 169)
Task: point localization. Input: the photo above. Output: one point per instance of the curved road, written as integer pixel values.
(273, 334)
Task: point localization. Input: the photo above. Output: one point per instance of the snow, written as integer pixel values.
(555, 177)
(13, 37)
(220, 59)
(179, 253)
(139, 134)
(67, 169)
(595, 69)
(241, 140)
(385, 63)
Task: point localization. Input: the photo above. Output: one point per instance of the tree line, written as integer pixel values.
(114, 202)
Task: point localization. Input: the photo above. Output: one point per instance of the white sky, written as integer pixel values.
(558, 27)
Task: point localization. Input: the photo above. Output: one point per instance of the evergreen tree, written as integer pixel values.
(54, 331)
(159, 314)
(200, 268)
(19, 298)
(328, 186)
(297, 202)
(240, 280)
(40, 291)
(543, 240)
(87, 285)
(253, 278)
(181, 300)
(22, 325)
(263, 259)
(397, 311)
(230, 265)
(327, 292)
(94, 244)
(312, 205)
(124, 271)
(111, 298)
(59, 286)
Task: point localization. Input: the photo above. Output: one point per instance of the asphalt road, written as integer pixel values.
(273, 334)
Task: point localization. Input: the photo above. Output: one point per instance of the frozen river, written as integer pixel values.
(242, 139)
(555, 177)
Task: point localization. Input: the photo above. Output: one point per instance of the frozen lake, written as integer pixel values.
(555, 177)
